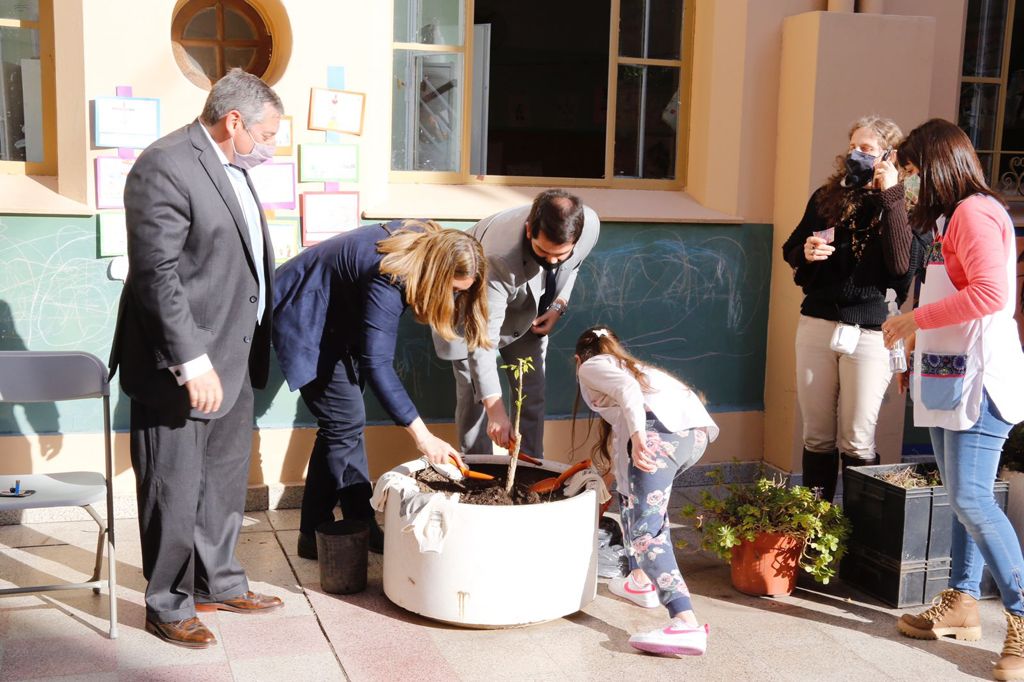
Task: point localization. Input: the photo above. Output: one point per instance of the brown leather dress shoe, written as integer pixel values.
(189, 633)
(250, 602)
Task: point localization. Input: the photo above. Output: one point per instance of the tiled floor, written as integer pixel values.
(316, 636)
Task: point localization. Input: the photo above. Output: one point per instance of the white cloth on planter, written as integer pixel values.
(588, 479)
(428, 516)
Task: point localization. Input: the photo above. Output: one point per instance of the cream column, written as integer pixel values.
(835, 67)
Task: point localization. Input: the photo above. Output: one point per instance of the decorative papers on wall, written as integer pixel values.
(126, 122)
(328, 162)
(284, 137)
(275, 184)
(111, 174)
(284, 234)
(113, 234)
(325, 214)
(336, 110)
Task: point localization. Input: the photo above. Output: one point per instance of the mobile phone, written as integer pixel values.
(888, 152)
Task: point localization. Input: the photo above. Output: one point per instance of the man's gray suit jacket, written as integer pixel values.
(514, 285)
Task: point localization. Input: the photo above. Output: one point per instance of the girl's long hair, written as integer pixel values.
(834, 197)
(425, 258)
(948, 167)
(601, 340)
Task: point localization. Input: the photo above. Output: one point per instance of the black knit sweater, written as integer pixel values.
(842, 288)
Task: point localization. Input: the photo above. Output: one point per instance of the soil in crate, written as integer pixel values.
(490, 493)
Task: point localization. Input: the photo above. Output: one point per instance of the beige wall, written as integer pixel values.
(821, 90)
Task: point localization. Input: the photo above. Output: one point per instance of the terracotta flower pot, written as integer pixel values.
(766, 566)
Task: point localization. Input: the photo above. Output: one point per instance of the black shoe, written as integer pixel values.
(821, 471)
(307, 546)
(376, 541)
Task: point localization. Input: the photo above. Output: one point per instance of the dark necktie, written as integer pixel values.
(549, 290)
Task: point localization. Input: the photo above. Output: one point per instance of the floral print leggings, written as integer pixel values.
(645, 511)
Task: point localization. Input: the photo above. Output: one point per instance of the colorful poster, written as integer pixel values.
(126, 122)
(111, 175)
(328, 163)
(325, 214)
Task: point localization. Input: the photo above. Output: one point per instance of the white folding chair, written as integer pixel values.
(40, 376)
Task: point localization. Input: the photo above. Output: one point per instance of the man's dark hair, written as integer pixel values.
(559, 215)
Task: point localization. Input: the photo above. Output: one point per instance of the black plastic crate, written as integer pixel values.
(902, 525)
(899, 584)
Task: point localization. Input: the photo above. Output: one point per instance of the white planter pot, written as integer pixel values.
(1015, 501)
(500, 566)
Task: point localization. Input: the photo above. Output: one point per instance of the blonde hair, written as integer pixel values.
(425, 258)
(601, 340)
(834, 196)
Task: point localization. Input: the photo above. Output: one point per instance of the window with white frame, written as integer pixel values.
(591, 92)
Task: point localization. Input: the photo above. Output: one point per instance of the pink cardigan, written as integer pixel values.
(977, 242)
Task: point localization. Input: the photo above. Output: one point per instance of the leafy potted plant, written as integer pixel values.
(768, 531)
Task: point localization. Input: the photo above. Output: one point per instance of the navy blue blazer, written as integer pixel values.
(331, 301)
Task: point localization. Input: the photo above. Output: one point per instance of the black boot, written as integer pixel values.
(851, 461)
(820, 471)
(355, 504)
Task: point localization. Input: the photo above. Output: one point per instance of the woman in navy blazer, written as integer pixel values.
(336, 311)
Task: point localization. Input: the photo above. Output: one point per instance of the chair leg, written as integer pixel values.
(99, 545)
(112, 579)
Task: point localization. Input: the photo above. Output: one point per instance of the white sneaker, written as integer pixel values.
(678, 639)
(627, 588)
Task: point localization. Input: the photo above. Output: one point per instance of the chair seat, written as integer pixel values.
(66, 489)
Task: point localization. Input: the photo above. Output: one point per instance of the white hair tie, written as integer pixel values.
(600, 332)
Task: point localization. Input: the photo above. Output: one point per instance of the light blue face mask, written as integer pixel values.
(261, 153)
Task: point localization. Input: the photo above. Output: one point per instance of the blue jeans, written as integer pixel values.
(982, 535)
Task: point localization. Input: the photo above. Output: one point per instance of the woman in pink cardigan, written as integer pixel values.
(968, 367)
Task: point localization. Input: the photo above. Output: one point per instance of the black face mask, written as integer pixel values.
(860, 168)
(540, 260)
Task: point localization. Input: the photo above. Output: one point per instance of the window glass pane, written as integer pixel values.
(426, 120)
(432, 22)
(23, 10)
(202, 26)
(546, 93)
(646, 120)
(650, 28)
(986, 166)
(983, 39)
(238, 56)
(1011, 175)
(237, 27)
(978, 102)
(204, 59)
(21, 104)
(631, 28)
(1013, 109)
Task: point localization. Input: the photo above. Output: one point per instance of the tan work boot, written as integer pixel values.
(952, 613)
(1011, 665)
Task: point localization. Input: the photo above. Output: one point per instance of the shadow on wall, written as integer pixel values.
(42, 418)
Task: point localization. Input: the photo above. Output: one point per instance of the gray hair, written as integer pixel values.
(241, 91)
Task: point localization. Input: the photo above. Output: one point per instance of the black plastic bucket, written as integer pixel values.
(341, 548)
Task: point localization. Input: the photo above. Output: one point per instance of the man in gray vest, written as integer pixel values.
(192, 340)
(533, 255)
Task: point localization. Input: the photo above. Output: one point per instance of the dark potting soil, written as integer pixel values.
(490, 493)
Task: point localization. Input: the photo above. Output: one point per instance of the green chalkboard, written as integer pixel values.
(690, 298)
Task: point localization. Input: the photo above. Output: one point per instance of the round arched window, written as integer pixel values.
(209, 37)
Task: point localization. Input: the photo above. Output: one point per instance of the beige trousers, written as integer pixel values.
(839, 395)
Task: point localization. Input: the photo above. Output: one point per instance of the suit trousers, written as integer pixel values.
(191, 477)
(338, 460)
(470, 415)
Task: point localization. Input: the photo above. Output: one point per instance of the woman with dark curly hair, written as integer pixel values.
(852, 245)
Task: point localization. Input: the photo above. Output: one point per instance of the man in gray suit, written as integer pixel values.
(533, 254)
(192, 339)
